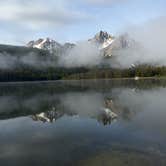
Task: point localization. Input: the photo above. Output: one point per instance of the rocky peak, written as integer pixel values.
(47, 44)
(102, 36)
(102, 39)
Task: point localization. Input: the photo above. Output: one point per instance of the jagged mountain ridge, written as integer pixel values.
(105, 42)
(47, 44)
(102, 39)
(50, 45)
(108, 44)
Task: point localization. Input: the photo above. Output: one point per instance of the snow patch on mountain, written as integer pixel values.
(102, 39)
(46, 44)
(107, 43)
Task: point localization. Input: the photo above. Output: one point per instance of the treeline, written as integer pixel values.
(50, 73)
(106, 73)
(34, 74)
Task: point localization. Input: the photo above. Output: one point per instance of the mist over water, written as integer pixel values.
(68, 126)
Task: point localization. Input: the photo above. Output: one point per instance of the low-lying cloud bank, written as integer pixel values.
(83, 54)
(151, 39)
(150, 48)
(9, 62)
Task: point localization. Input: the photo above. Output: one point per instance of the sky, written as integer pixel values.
(72, 20)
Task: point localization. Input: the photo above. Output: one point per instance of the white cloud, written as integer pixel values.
(37, 14)
(23, 20)
(84, 54)
(103, 2)
(150, 37)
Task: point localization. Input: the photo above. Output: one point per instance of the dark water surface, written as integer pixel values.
(104, 122)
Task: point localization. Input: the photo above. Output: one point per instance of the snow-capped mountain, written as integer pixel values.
(51, 45)
(46, 44)
(106, 43)
(102, 39)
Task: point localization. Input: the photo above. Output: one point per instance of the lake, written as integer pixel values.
(84, 123)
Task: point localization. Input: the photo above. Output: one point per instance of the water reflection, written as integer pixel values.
(104, 116)
(63, 123)
(104, 105)
(48, 116)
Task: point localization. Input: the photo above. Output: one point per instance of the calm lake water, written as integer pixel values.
(83, 123)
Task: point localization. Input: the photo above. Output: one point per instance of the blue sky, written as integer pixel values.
(72, 20)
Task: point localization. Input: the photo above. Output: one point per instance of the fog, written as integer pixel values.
(150, 39)
(83, 54)
(8, 61)
(149, 47)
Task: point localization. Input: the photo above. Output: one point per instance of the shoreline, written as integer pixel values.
(99, 79)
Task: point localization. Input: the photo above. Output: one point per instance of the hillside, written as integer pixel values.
(20, 50)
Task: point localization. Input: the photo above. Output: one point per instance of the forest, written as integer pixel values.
(59, 73)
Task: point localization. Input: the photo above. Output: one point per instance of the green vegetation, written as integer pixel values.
(107, 73)
(50, 73)
(33, 74)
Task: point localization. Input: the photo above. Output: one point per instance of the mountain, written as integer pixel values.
(20, 51)
(45, 44)
(50, 45)
(106, 43)
(102, 39)
(67, 46)
(120, 43)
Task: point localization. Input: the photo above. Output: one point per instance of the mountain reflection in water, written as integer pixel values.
(118, 122)
(105, 115)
